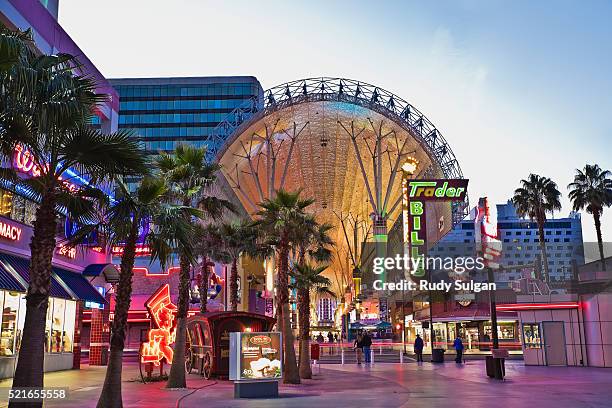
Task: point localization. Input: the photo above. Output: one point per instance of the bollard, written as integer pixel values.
(372, 357)
(342, 357)
(401, 357)
(380, 349)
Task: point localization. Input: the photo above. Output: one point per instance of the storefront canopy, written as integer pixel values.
(107, 270)
(79, 285)
(15, 275)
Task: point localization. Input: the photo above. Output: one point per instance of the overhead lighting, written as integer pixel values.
(410, 165)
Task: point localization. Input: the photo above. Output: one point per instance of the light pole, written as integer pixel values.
(408, 169)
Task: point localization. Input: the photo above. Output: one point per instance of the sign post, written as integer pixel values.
(256, 364)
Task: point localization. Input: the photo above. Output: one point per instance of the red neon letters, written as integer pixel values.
(161, 336)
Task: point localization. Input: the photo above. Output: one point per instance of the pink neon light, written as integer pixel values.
(533, 306)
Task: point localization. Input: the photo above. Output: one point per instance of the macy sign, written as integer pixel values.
(10, 231)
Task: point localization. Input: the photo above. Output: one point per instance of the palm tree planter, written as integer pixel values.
(592, 191)
(537, 197)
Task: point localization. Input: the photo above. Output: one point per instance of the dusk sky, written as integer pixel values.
(515, 87)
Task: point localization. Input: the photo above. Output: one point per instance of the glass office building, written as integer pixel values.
(164, 112)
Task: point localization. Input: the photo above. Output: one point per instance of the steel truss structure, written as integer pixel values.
(326, 89)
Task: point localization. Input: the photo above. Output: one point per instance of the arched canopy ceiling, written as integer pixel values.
(341, 141)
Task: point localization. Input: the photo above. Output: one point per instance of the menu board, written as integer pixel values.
(255, 356)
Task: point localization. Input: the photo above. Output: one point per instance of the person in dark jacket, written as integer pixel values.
(367, 344)
(418, 348)
(458, 345)
(358, 346)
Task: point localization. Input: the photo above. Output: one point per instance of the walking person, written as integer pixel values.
(358, 346)
(367, 344)
(418, 348)
(330, 340)
(458, 345)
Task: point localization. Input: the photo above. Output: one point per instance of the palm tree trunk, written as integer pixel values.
(596, 218)
(176, 378)
(304, 322)
(234, 285)
(29, 371)
(203, 288)
(543, 249)
(291, 371)
(111, 390)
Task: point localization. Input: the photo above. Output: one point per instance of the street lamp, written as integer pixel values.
(408, 169)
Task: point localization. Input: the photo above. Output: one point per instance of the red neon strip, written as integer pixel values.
(537, 306)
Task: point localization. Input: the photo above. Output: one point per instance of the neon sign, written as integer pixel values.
(141, 250)
(162, 312)
(26, 163)
(66, 251)
(9, 231)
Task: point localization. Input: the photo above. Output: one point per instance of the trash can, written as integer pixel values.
(496, 367)
(437, 355)
(315, 351)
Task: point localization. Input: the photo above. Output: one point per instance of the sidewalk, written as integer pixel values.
(382, 385)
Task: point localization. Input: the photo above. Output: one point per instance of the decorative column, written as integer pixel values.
(78, 327)
(99, 340)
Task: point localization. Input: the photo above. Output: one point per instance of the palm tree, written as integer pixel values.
(306, 279)
(209, 247)
(537, 197)
(51, 125)
(163, 225)
(592, 191)
(280, 221)
(237, 238)
(190, 177)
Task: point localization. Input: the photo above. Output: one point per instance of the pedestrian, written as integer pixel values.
(330, 340)
(458, 345)
(320, 338)
(358, 346)
(418, 348)
(367, 344)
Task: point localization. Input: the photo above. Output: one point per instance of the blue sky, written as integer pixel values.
(515, 87)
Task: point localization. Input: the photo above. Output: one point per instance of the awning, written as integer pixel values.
(107, 270)
(79, 285)
(22, 267)
(8, 280)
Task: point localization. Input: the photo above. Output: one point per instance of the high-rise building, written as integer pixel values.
(164, 112)
(521, 244)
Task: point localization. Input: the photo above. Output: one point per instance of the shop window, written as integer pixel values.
(531, 336)
(505, 331)
(69, 321)
(20, 322)
(48, 326)
(57, 325)
(9, 323)
(6, 203)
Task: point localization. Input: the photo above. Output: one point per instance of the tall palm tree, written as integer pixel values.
(307, 278)
(280, 221)
(190, 178)
(209, 247)
(592, 191)
(51, 125)
(237, 238)
(535, 198)
(124, 223)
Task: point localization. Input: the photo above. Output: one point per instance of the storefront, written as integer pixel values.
(70, 291)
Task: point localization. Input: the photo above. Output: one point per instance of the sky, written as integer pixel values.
(515, 87)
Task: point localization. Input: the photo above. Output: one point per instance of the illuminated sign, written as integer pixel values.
(438, 190)
(26, 163)
(163, 331)
(66, 251)
(255, 356)
(415, 195)
(9, 231)
(487, 234)
(141, 250)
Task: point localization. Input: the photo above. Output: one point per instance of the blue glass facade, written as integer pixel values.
(164, 112)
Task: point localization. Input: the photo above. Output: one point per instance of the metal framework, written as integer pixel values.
(349, 91)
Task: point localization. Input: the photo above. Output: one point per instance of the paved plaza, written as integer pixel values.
(381, 385)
